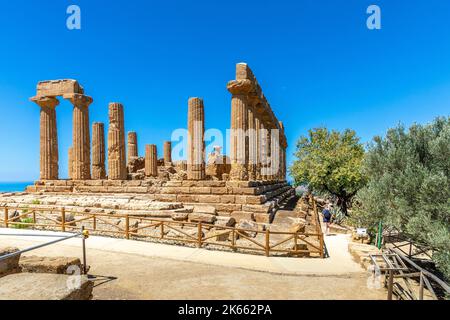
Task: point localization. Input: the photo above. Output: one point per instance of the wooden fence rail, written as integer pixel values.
(127, 226)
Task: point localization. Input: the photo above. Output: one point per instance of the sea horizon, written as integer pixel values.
(14, 186)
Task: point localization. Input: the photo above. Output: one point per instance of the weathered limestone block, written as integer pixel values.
(225, 221)
(10, 265)
(48, 137)
(132, 147)
(116, 143)
(53, 88)
(167, 153)
(196, 144)
(262, 217)
(248, 228)
(98, 151)
(57, 265)
(202, 217)
(151, 161)
(205, 209)
(180, 216)
(216, 165)
(44, 286)
(136, 164)
(243, 215)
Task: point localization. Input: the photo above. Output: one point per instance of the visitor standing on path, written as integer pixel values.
(327, 218)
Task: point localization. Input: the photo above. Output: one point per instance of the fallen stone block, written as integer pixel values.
(10, 265)
(202, 217)
(45, 286)
(57, 265)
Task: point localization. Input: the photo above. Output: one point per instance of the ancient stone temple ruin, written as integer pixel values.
(250, 182)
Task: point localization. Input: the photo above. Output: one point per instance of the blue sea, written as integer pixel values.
(14, 186)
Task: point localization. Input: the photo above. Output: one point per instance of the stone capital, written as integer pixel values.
(244, 86)
(79, 100)
(44, 101)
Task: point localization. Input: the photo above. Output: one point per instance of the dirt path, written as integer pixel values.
(133, 276)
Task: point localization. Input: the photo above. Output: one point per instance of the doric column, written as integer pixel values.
(132, 146)
(151, 161)
(70, 162)
(275, 154)
(258, 147)
(117, 169)
(263, 150)
(196, 144)
(81, 169)
(98, 151)
(167, 153)
(48, 137)
(252, 145)
(239, 125)
(283, 145)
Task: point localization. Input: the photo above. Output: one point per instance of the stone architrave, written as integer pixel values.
(48, 137)
(98, 151)
(196, 144)
(117, 169)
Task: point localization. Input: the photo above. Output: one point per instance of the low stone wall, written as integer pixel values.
(261, 198)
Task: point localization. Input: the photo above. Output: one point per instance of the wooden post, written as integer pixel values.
(233, 239)
(421, 286)
(94, 223)
(296, 241)
(6, 218)
(162, 230)
(267, 243)
(200, 238)
(322, 247)
(127, 227)
(390, 284)
(34, 216)
(63, 219)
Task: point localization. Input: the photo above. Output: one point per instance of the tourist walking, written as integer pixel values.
(327, 218)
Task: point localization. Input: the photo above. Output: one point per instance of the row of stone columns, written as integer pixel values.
(257, 142)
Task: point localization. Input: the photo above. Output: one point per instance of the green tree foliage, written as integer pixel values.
(330, 162)
(409, 185)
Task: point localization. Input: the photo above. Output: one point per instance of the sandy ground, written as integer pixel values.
(120, 275)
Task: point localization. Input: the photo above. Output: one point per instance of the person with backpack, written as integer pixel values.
(327, 215)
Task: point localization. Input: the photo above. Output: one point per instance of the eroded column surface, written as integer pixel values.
(196, 144)
(167, 153)
(258, 147)
(81, 168)
(117, 169)
(252, 145)
(283, 147)
(239, 125)
(48, 137)
(132, 146)
(98, 151)
(151, 160)
(70, 162)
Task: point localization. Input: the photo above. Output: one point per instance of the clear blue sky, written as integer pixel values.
(316, 60)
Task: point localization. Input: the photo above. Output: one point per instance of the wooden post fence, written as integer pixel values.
(63, 219)
(6, 218)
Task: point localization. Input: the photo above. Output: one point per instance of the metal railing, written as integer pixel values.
(82, 234)
(257, 241)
